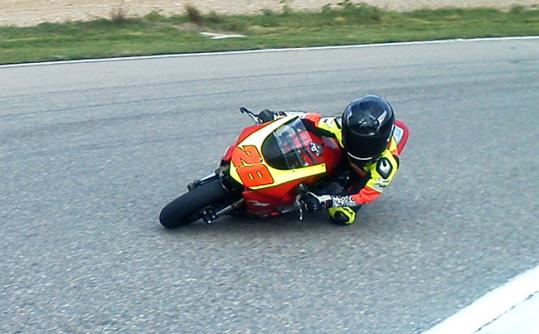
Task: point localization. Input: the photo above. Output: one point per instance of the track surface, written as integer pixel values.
(91, 152)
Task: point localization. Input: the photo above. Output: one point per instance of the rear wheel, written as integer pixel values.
(187, 208)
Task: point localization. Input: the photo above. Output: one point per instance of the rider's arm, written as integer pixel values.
(380, 174)
(269, 115)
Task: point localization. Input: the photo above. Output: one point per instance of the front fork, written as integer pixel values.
(199, 182)
(210, 214)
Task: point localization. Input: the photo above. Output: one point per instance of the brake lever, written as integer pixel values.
(301, 190)
(298, 204)
(251, 114)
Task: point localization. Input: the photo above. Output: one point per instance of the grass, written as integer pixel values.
(347, 24)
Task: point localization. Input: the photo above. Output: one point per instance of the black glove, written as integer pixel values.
(267, 115)
(314, 203)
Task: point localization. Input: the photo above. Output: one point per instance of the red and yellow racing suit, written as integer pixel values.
(369, 181)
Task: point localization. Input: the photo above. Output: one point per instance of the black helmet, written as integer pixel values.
(367, 126)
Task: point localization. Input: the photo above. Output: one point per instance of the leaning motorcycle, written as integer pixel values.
(263, 173)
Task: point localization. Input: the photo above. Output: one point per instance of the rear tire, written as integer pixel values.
(186, 208)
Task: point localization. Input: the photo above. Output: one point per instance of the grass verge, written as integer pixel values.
(346, 24)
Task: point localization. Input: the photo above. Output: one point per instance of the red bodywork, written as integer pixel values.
(244, 134)
(404, 139)
(273, 200)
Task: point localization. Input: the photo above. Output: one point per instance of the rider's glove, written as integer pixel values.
(314, 203)
(268, 115)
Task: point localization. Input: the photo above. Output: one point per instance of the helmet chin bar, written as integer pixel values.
(357, 165)
(358, 158)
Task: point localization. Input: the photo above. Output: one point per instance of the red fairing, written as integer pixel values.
(269, 201)
(265, 202)
(312, 117)
(244, 134)
(404, 138)
(228, 154)
(261, 204)
(331, 154)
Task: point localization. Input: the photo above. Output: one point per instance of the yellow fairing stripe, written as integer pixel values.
(279, 176)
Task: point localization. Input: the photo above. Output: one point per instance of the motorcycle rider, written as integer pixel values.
(366, 132)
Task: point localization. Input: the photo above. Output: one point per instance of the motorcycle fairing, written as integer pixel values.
(400, 135)
(256, 173)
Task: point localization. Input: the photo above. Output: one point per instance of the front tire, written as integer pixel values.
(186, 208)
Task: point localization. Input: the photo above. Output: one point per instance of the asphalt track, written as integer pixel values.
(90, 152)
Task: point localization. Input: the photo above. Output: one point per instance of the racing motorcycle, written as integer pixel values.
(264, 173)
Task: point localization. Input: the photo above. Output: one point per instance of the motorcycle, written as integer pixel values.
(264, 173)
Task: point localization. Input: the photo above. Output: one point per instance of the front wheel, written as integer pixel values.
(187, 208)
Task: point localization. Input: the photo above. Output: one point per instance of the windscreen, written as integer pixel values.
(289, 147)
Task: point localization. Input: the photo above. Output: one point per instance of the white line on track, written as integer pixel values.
(200, 54)
(491, 306)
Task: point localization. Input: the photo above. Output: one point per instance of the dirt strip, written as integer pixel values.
(32, 12)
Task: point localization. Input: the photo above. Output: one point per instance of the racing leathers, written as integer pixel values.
(352, 186)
